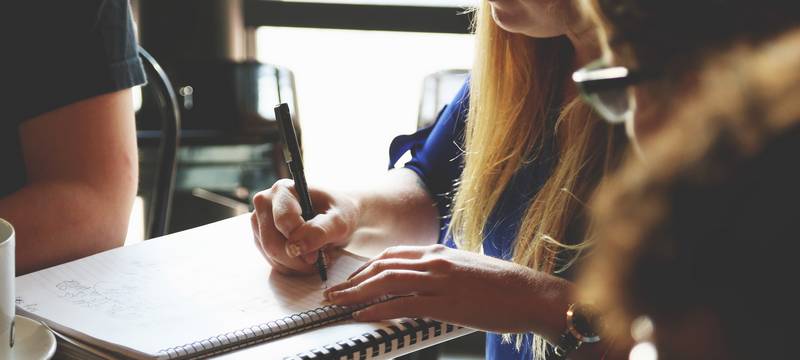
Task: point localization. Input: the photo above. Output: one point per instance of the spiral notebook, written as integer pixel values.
(207, 292)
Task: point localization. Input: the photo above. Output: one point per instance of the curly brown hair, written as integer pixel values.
(677, 34)
(709, 224)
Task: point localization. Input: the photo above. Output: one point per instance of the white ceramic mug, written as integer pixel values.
(7, 300)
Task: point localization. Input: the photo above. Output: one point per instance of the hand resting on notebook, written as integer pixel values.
(455, 286)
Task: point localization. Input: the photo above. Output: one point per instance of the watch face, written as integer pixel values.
(584, 322)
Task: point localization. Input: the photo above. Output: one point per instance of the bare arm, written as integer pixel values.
(82, 166)
(398, 211)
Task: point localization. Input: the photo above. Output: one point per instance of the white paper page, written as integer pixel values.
(175, 290)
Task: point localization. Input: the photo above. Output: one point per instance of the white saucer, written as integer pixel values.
(32, 340)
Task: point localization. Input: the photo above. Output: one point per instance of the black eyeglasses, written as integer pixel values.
(607, 89)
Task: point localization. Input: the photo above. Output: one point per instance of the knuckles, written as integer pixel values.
(440, 264)
(377, 266)
(264, 198)
(262, 201)
(393, 251)
(392, 276)
(266, 233)
(281, 184)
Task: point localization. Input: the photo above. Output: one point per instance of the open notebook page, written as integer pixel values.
(172, 291)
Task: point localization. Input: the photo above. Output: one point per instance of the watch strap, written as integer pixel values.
(567, 343)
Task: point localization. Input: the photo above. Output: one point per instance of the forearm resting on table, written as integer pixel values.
(397, 211)
(56, 222)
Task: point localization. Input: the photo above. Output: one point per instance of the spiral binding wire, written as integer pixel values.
(262, 332)
(379, 342)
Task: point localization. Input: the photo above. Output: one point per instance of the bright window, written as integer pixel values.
(356, 90)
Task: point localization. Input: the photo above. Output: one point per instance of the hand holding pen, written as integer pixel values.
(294, 160)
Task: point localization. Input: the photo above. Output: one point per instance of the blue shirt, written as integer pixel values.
(437, 158)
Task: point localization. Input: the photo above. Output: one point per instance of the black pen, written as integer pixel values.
(291, 152)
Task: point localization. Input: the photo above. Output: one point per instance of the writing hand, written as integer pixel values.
(288, 242)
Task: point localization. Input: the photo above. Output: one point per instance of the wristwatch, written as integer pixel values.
(581, 328)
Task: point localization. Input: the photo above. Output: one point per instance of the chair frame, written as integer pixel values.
(160, 207)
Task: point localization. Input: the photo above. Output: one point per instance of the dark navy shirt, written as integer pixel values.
(437, 157)
(60, 52)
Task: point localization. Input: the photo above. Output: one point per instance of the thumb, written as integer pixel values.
(326, 228)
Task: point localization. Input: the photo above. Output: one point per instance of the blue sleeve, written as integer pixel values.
(436, 151)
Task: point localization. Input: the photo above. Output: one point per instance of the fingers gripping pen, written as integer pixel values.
(294, 160)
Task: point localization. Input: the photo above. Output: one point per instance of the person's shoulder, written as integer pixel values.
(463, 93)
(460, 105)
(71, 51)
(66, 16)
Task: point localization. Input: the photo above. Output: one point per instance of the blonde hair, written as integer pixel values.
(516, 83)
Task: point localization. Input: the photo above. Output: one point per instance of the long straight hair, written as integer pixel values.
(516, 88)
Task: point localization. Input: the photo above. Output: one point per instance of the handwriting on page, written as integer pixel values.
(193, 287)
(115, 302)
(123, 298)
